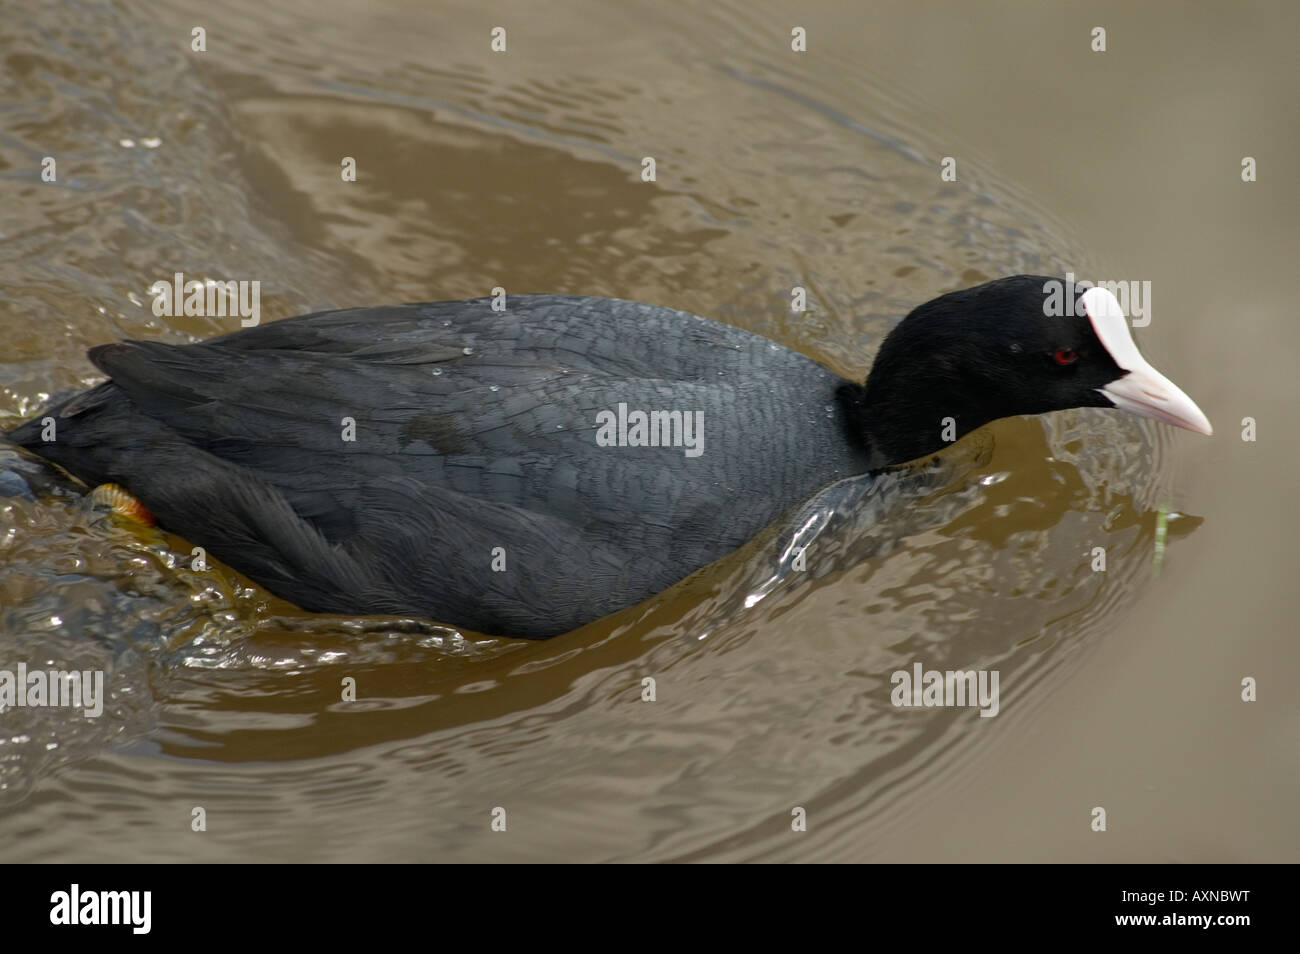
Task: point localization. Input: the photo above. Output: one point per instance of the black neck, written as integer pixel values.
(904, 421)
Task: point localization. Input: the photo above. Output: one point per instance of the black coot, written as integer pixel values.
(524, 472)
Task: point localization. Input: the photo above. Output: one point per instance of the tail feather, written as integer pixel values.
(86, 434)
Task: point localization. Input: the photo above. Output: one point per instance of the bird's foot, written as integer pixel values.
(120, 501)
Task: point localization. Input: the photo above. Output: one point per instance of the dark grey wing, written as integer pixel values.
(446, 427)
(600, 335)
(320, 426)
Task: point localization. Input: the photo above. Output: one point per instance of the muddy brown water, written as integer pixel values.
(476, 168)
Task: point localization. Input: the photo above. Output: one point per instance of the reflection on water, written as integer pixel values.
(772, 681)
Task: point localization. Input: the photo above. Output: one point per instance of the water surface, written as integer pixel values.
(775, 169)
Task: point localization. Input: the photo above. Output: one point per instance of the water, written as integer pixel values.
(772, 683)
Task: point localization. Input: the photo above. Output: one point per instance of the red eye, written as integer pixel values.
(1065, 356)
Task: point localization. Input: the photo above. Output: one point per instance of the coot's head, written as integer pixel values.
(1022, 345)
